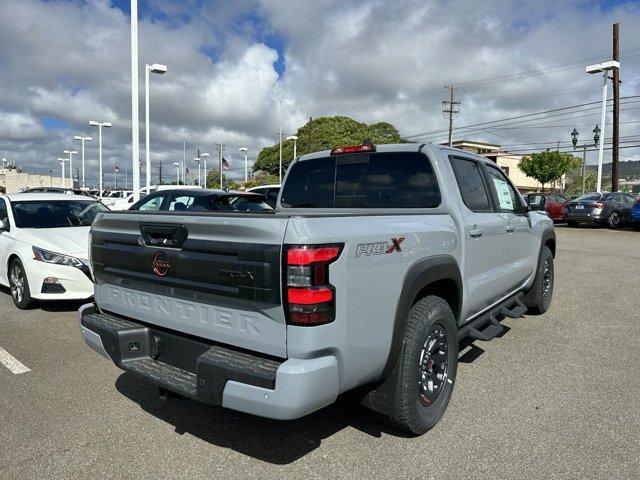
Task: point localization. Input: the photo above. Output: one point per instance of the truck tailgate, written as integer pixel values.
(212, 276)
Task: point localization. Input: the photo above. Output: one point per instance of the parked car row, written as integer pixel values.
(612, 209)
(44, 234)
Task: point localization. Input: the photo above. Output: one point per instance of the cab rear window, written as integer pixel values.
(362, 180)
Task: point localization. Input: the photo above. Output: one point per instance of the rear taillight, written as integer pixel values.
(310, 298)
(598, 205)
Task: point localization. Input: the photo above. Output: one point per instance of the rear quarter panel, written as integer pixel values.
(367, 285)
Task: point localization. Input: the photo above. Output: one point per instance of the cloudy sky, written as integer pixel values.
(65, 62)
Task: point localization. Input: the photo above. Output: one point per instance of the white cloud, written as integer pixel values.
(374, 60)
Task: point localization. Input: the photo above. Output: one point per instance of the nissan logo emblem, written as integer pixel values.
(160, 264)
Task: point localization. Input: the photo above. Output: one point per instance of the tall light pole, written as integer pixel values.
(100, 126)
(280, 168)
(70, 153)
(135, 127)
(82, 139)
(244, 149)
(295, 145)
(62, 160)
(177, 165)
(161, 70)
(197, 160)
(204, 156)
(604, 69)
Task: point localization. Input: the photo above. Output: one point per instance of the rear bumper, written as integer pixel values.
(213, 373)
(585, 218)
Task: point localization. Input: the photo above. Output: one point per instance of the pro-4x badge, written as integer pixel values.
(379, 248)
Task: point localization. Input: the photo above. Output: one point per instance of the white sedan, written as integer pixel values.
(44, 246)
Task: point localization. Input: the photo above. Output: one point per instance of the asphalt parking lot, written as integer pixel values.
(555, 397)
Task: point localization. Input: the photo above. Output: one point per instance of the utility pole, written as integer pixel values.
(220, 146)
(450, 109)
(615, 153)
(160, 173)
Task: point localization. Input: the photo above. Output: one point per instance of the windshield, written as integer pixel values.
(187, 202)
(56, 213)
(589, 197)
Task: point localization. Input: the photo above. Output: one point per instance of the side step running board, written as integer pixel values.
(491, 331)
(516, 310)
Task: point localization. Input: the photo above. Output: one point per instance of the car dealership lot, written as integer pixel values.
(555, 397)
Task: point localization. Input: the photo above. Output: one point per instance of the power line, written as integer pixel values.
(493, 122)
(528, 73)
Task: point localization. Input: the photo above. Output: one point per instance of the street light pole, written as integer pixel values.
(62, 160)
(604, 69)
(204, 156)
(100, 125)
(574, 141)
(70, 153)
(295, 144)
(280, 169)
(135, 132)
(177, 165)
(82, 139)
(603, 118)
(244, 149)
(161, 70)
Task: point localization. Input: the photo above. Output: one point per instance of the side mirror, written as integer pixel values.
(4, 225)
(536, 202)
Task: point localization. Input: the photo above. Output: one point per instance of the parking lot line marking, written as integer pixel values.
(12, 363)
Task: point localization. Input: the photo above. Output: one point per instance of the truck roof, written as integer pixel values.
(404, 147)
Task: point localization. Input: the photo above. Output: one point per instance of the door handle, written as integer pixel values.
(510, 228)
(475, 232)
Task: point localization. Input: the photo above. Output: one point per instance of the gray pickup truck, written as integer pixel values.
(377, 262)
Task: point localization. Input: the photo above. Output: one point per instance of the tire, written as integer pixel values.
(614, 220)
(425, 381)
(543, 284)
(19, 286)
(572, 223)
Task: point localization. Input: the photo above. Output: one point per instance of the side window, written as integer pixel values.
(506, 196)
(152, 204)
(618, 198)
(3, 209)
(630, 200)
(472, 187)
(180, 203)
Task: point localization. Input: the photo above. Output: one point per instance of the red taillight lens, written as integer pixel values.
(307, 255)
(353, 149)
(310, 298)
(598, 205)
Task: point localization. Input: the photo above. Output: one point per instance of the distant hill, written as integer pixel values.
(627, 169)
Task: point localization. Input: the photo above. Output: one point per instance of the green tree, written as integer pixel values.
(262, 178)
(548, 166)
(322, 134)
(213, 181)
(574, 182)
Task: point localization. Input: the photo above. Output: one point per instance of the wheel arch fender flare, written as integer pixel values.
(419, 276)
(548, 239)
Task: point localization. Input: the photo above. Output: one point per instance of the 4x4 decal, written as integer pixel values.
(379, 248)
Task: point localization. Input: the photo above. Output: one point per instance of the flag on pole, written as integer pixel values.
(225, 164)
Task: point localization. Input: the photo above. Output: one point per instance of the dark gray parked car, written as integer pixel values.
(612, 209)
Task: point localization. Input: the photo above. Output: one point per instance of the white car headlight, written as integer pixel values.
(51, 257)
